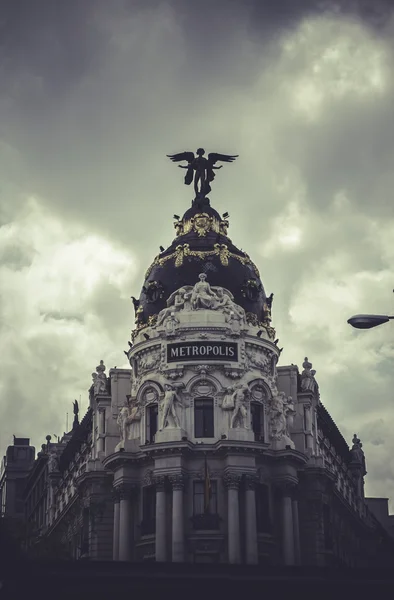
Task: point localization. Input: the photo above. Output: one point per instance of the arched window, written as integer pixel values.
(257, 417)
(151, 413)
(203, 418)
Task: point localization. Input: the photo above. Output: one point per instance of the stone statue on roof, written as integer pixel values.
(308, 381)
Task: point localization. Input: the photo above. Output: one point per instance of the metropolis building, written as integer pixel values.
(205, 449)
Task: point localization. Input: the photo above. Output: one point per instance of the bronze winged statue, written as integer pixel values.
(203, 168)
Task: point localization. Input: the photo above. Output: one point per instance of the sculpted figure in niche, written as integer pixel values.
(129, 422)
(169, 418)
(281, 416)
(277, 416)
(240, 413)
(122, 422)
(228, 400)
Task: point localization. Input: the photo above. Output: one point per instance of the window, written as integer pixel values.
(263, 508)
(203, 418)
(205, 514)
(257, 414)
(151, 422)
(148, 525)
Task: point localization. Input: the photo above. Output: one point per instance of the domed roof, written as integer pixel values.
(201, 245)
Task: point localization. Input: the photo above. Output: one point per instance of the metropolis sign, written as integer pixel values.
(187, 351)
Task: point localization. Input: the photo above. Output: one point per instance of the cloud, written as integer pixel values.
(94, 98)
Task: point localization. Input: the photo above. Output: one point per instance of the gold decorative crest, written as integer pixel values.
(201, 223)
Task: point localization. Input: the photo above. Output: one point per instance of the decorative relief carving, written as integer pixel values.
(150, 395)
(202, 296)
(172, 373)
(233, 372)
(259, 357)
(203, 387)
(147, 360)
(258, 392)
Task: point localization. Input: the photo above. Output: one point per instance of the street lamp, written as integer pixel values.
(368, 321)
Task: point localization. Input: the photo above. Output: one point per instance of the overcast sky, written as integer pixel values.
(94, 94)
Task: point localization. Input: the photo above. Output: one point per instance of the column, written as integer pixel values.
(287, 525)
(232, 481)
(296, 532)
(116, 498)
(161, 553)
(178, 535)
(251, 521)
(101, 428)
(308, 426)
(125, 523)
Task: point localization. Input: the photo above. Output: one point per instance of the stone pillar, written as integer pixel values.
(308, 426)
(251, 521)
(178, 535)
(287, 524)
(101, 428)
(232, 481)
(296, 532)
(115, 546)
(125, 523)
(161, 549)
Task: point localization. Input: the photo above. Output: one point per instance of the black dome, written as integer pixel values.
(201, 246)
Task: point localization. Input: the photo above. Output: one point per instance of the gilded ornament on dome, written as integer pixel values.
(252, 319)
(251, 289)
(202, 223)
(154, 291)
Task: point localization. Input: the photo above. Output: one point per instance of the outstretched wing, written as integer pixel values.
(213, 157)
(188, 156)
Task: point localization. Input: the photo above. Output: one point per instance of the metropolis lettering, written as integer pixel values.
(189, 351)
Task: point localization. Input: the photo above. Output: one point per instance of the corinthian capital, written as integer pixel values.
(232, 480)
(251, 481)
(126, 491)
(177, 480)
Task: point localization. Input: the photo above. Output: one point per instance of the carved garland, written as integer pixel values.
(183, 251)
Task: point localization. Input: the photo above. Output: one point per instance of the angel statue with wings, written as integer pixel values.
(203, 168)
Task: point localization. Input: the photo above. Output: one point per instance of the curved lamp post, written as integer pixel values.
(368, 321)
